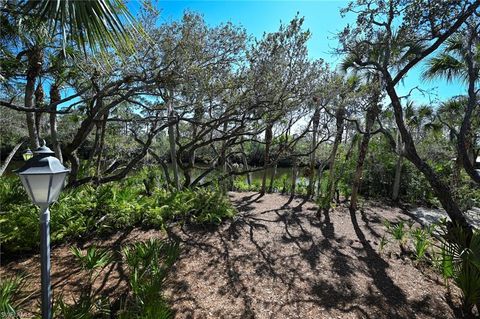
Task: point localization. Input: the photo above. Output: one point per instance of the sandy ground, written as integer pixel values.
(274, 260)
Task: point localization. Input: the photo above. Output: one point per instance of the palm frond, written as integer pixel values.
(96, 23)
(425, 111)
(453, 105)
(454, 44)
(348, 64)
(443, 66)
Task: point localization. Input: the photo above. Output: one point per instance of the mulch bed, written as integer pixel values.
(276, 260)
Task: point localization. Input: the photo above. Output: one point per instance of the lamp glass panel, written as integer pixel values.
(27, 156)
(39, 187)
(23, 178)
(58, 181)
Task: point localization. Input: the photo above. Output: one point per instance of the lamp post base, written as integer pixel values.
(45, 262)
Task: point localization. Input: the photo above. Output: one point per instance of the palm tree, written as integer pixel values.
(461, 60)
(349, 85)
(372, 79)
(370, 117)
(450, 114)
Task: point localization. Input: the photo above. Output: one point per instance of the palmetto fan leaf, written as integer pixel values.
(444, 66)
(97, 23)
(455, 44)
(454, 105)
(348, 63)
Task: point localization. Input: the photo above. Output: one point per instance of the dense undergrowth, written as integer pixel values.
(378, 177)
(281, 184)
(89, 210)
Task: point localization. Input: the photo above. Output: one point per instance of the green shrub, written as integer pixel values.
(421, 242)
(383, 242)
(461, 262)
(115, 206)
(20, 230)
(455, 253)
(467, 195)
(240, 184)
(83, 307)
(93, 260)
(12, 192)
(398, 233)
(90, 304)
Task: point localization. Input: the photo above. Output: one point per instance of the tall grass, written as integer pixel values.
(10, 296)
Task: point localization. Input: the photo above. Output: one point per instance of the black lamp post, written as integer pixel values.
(43, 176)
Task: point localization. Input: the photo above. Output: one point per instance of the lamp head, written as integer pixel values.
(43, 176)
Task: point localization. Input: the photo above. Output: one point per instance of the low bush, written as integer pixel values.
(422, 240)
(461, 262)
(90, 303)
(398, 232)
(104, 209)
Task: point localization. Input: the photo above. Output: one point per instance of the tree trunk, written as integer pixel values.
(313, 157)
(187, 174)
(362, 153)
(164, 166)
(293, 185)
(55, 97)
(398, 169)
(72, 158)
(197, 117)
(397, 179)
(171, 139)
(343, 166)
(456, 174)
(442, 191)
(464, 141)
(245, 165)
(321, 167)
(273, 175)
(96, 142)
(102, 146)
(266, 158)
(39, 103)
(35, 59)
(9, 157)
(327, 200)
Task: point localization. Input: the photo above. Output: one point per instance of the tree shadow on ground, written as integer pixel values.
(377, 266)
(303, 258)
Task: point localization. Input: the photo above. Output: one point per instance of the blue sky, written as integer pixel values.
(322, 18)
